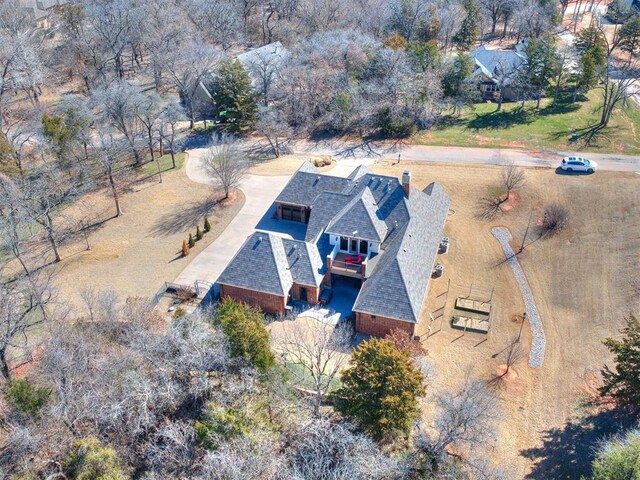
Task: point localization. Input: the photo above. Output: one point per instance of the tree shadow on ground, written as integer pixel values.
(186, 217)
(448, 121)
(502, 119)
(589, 136)
(559, 108)
(567, 452)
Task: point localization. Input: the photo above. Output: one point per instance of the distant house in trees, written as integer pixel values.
(379, 232)
(40, 10)
(496, 71)
(266, 60)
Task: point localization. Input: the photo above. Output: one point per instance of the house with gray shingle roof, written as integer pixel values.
(496, 70)
(379, 230)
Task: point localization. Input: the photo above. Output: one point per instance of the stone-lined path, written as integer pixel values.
(536, 356)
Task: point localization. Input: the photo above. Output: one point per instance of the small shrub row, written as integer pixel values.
(187, 245)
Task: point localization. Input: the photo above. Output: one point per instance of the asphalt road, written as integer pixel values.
(463, 155)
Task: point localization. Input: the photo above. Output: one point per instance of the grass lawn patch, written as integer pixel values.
(550, 127)
(151, 168)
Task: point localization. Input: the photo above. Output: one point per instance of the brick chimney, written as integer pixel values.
(406, 183)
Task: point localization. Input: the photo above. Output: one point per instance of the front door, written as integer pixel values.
(303, 294)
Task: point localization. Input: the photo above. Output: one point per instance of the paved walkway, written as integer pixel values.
(536, 356)
(260, 192)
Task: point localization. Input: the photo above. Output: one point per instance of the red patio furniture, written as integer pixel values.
(353, 259)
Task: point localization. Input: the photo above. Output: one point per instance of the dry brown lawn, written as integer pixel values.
(584, 281)
(136, 253)
(287, 165)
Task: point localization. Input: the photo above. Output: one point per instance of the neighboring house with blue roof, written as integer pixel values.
(380, 231)
(496, 71)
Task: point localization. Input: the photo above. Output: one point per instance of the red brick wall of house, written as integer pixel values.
(312, 293)
(268, 302)
(381, 326)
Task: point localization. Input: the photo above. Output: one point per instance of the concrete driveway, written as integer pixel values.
(260, 192)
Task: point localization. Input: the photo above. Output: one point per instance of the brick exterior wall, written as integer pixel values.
(270, 303)
(312, 293)
(381, 326)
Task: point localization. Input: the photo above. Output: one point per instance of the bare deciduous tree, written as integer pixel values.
(109, 152)
(274, 127)
(512, 178)
(317, 349)
(555, 218)
(226, 162)
(466, 419)
(22, 309)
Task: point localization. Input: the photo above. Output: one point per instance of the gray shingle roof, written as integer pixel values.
(261, 264)
(496, 63)
(304, 262)
(304, 187)
(398, 286)
(359, 218)
(408, 229)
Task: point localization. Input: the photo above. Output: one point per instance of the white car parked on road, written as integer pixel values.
(578, 164)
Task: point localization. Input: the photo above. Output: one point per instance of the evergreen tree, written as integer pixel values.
(232, 96)
(618, 458)
(199, 234)
(588, 75)
(469, 30)
(192, 242)
(541, 64)
(248, 337)
(207, 225)
(380, 389)
(456, 85)
(90, 460)
(630, 36)
(185, 248)
(58, 134)
(624, 382)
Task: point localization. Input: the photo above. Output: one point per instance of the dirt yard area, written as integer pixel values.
(136, 253)
(584, 281)
(288, 164)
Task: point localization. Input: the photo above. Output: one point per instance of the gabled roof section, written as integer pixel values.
(274, 52)
(358, 172)
(359, 218)
(261, 264)
(398, 286)
(304, 262)
(305, 187)
(497, 63)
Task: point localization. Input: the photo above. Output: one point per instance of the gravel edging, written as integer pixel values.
(536, 356)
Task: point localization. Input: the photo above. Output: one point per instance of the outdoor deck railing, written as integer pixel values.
(351, 267)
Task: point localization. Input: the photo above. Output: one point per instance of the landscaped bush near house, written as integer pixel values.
(207, 225)
(192, 242)
(248, 337)
(185, 294)
(199, 234)
(555, 219)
